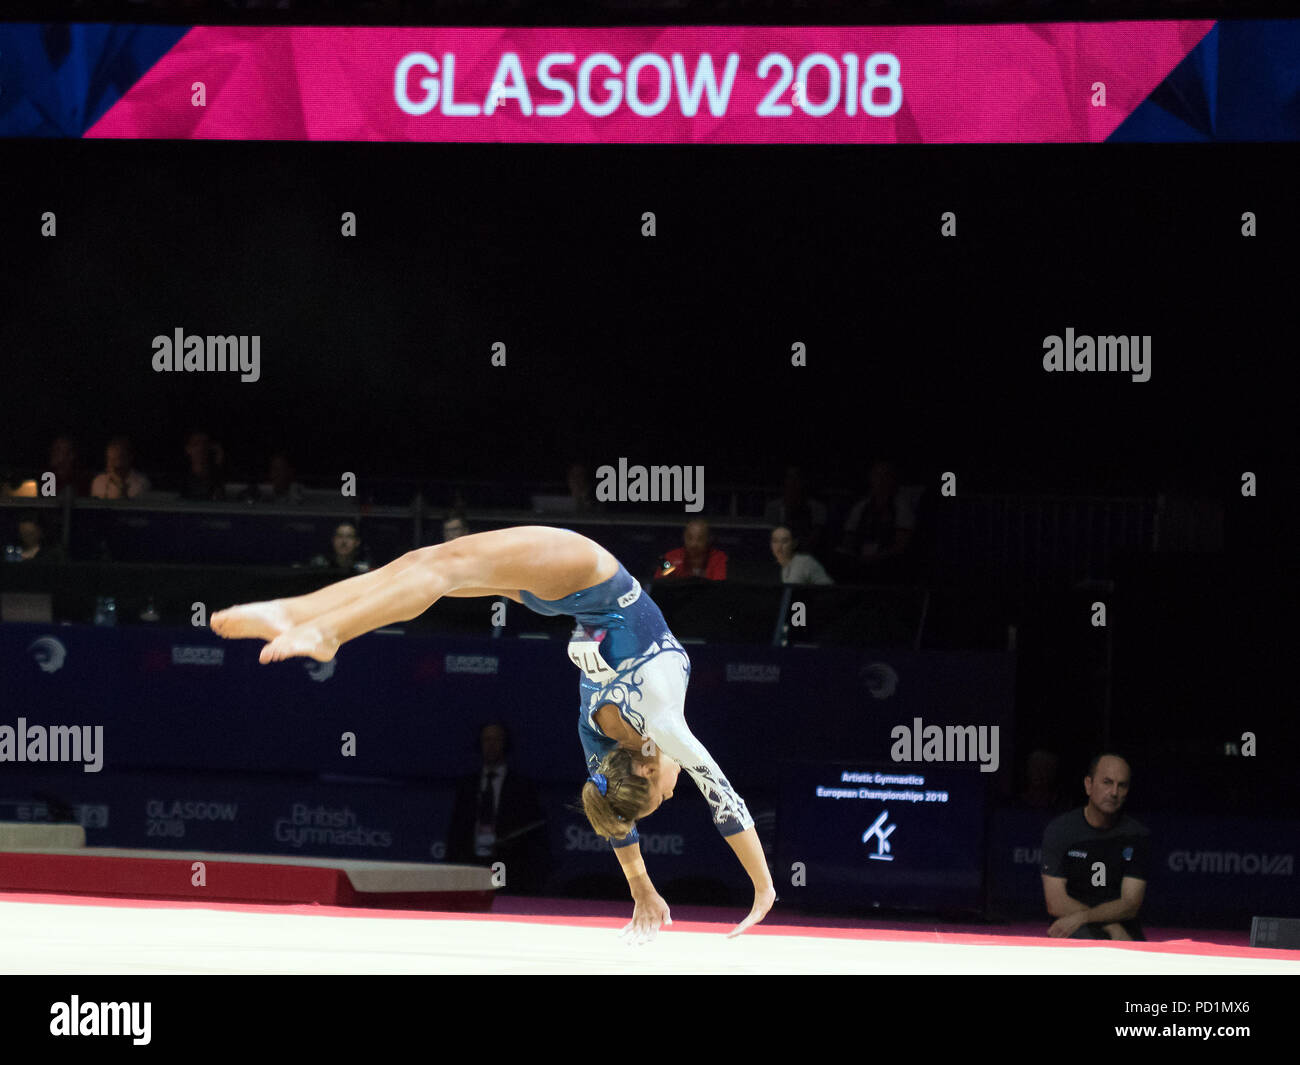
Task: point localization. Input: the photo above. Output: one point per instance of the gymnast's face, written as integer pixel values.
(662, 776)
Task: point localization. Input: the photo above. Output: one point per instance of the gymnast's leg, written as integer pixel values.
(549, 562)
(401, 595)
(267, 620)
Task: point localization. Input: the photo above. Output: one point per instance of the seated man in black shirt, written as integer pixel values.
(1095, 861)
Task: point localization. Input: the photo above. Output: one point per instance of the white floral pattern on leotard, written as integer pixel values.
(649, 691)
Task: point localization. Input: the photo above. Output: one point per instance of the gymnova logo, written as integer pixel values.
(197, 656)
(472, 663)
(880, 680)
(55, 743)
(191, 354)
(753, 672)
(49, 653)
(1231, 862)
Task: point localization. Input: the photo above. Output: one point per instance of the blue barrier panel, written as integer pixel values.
(171, 698)
(248, 815)
(847, 703)
(863, 835)
(187, 718)
(359, 819)
(679, 842)
(190, 700)
(1203, 869)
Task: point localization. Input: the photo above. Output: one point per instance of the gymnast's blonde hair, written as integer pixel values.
(626, 794)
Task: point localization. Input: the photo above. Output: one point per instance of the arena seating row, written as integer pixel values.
(696, 610)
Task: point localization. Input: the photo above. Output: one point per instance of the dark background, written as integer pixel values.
(675, 349)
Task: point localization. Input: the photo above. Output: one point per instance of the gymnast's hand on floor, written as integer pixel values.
(763, 899)
(650, 912)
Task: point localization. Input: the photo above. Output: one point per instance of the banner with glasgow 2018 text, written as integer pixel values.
(1177, 80)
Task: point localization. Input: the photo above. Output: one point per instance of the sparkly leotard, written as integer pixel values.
(629, 658)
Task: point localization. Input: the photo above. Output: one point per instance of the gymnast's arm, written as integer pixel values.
(649, 910)
(668, 729)
(750, 853)
(638, 880)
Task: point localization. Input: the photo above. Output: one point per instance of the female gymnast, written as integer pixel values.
(632, 688)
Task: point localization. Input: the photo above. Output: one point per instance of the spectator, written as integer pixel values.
(454, 526)
(280, 486)
(696, 558)
(119, 480)
(31, 542)
(1095, 860)
(877, 544)
(1043, 787)
(796, 567)
(66, 466)
(346, 554)
(280, 480)
(204, 479)
(497, 817)
(581, 491)
(805, 517)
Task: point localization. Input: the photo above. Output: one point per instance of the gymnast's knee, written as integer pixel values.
(445, 560)
(421, 556)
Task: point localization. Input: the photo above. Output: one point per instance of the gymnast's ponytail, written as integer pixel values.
(625, 797)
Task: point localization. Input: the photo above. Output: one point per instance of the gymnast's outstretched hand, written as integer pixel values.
(763, 899)
(649, 913)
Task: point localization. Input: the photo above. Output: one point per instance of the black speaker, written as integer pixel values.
(1280, 932)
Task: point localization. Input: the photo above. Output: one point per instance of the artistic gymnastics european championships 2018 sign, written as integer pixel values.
(1034, 83)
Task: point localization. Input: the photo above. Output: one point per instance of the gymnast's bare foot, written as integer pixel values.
(307, 641)
(262, 621)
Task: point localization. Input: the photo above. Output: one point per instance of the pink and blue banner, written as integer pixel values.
(1017, 83)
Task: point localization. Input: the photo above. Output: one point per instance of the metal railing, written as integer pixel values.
(1020, 541)
(1037, 541)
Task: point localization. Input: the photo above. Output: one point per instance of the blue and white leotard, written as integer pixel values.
(629, 658)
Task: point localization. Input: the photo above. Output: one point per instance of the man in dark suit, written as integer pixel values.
(498, 818)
